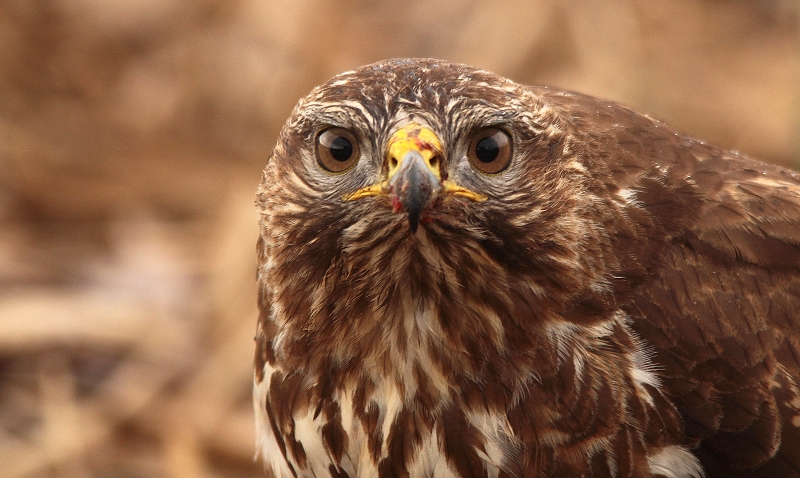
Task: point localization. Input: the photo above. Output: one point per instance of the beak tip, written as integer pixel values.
(414, 186)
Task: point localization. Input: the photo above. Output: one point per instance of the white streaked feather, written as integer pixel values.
(430, 459)
(266, 444)
(628, 196)
(502, 447)
(675, 462)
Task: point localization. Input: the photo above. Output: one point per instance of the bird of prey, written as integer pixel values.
(460, 276)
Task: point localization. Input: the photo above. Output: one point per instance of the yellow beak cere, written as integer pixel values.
(418, 144)
(413, 137)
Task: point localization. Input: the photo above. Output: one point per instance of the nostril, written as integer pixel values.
(392, 162)
(434, 162)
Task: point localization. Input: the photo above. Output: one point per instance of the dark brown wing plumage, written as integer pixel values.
(724, 316)
(721, 306)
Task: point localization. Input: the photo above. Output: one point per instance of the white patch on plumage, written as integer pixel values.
(777, 184)
(576, 165)
(675, 462)
(357, 461)
(430, 460)
(389, 402)
(404, 117)
(266, 444)
(562, 334)
(308, 432)
(643, 370)
(502, 448)
(571, 339)
(356, 105)
(421, 327)
(628, 197)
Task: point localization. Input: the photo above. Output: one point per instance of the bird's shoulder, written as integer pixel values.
(720, 303)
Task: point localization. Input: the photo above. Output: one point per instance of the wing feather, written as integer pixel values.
(721, 307)
(723, 313)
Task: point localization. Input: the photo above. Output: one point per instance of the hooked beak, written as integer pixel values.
(414, 184)
(414, 178)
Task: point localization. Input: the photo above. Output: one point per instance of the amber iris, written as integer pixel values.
(490, 151)
(337, 150)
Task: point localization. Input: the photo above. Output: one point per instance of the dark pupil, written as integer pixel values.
(341, 149)
(487, 150)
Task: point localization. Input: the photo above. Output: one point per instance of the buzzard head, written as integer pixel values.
(422, 201)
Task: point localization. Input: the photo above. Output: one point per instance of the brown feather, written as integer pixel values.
(625, 299)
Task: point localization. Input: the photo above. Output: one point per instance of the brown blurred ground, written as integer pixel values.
(132, 135)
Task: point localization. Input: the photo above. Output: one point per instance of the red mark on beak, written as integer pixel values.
(397, 206)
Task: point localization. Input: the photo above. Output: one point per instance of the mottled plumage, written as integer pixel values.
(464, 277)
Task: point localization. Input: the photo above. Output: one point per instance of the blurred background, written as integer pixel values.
(132, 138)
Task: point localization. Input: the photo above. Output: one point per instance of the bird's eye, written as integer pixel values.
(490, 151)
(337, 150)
